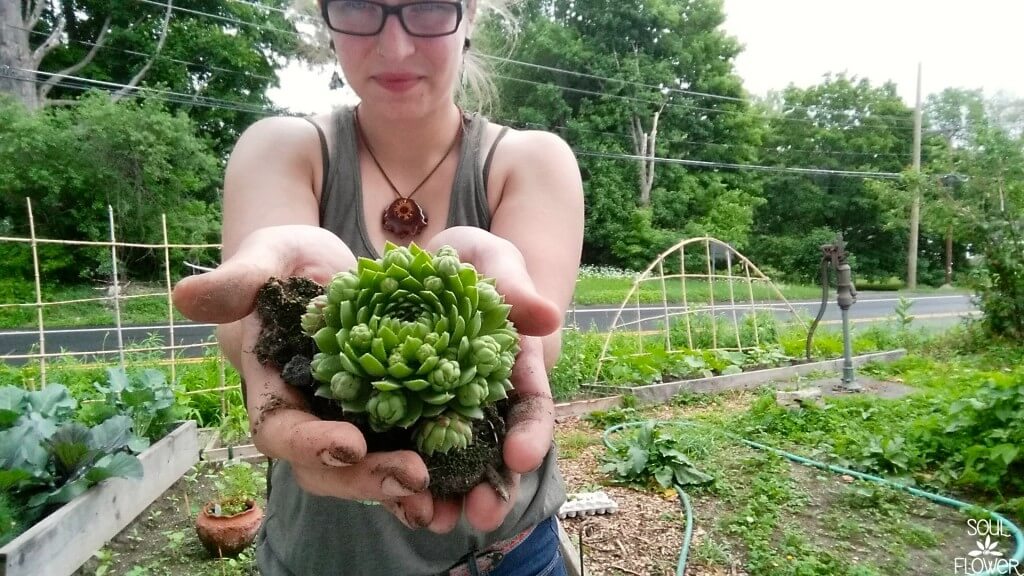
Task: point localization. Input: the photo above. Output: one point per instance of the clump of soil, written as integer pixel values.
(283, 345)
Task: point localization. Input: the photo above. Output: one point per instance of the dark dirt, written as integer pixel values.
(280, 306)
(282, 344)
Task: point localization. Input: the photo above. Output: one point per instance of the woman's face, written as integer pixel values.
(396, 73)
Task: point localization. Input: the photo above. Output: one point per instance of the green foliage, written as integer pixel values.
(232, 63)
(11, 517)
(603, 419)
(74, 162)
(146, 397)
(48, 459)
(238, 485)
(654, 453)
(844, 123)
(1000, 282)
(577, 363)
(977, 442)
(628, 40)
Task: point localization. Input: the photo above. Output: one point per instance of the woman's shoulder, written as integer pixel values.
(528, 149)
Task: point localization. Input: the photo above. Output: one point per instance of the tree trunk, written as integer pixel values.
(949, 255)
(16, 55)
(644, 147)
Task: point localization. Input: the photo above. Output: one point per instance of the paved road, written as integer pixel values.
(929, 309)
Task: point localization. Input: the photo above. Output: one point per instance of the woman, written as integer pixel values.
(406, 165)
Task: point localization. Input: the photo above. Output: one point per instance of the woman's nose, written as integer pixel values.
(394, 43)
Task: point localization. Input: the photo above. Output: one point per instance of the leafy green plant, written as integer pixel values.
(978, 441)
(654, 453)
(47, 459)
(605, 418)
(147, 398)
(902, 311)
(238, 486)
(999, 282)
(577, 362)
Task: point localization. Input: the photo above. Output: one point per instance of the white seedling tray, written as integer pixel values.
(587, 503)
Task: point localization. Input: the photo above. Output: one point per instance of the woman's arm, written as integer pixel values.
(541, 213)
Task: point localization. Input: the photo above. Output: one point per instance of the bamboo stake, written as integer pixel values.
(686, 304)
(117, 286)
(664, 305)
(732, 298)
(170, 301)
(222, 381)
(753, 310)
(39, 296)
(711, 294)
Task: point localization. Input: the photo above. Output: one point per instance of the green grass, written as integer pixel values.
(146, 310)
(591, 290)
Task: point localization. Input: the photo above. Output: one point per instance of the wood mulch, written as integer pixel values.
(644, 536)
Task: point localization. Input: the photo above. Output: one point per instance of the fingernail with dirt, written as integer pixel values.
(330, 458)
(393, 488)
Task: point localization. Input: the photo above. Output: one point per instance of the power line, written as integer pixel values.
(206, 67)
(222, 18)
(615, 80)
(80, 83)
(706, 164)
(86, 84)
(618, 80)
(661, 88)
(830, 151)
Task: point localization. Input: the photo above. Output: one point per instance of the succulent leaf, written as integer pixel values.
(414, 339)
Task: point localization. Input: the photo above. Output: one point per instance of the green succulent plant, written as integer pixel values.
(415, 340)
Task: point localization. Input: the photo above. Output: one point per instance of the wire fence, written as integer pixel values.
(711, 266)
(113, 298)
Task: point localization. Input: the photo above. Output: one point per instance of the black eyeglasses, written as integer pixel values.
(367, 18)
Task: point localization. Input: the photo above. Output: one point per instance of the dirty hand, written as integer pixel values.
(328, 458)
(530, 421)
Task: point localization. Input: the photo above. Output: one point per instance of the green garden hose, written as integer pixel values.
(1003, 569)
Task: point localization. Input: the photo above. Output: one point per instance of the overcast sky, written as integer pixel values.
(971, 44)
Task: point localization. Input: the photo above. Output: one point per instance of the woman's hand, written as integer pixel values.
(530, 422)
(328, 458)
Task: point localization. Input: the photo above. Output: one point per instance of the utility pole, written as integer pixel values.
(915, 207)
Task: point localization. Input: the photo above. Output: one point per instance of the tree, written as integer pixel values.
(73, 162)
(214, 59)
(842, 124)
(656, 82)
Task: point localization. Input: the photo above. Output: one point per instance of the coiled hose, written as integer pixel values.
(1003, 569)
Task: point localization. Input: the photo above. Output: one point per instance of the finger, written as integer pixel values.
(418, 509)
(304, 440)
(381, 476)
(500, 259)
(227, 293)
(531, 416)
(485, 509)
(531, 313)
(446, 515)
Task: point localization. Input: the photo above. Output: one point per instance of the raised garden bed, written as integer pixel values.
(655, 393)
(60, 543)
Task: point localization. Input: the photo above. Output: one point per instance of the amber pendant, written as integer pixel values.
(404, 217)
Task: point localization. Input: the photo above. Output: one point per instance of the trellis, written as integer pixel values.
(115, 297)
(738, 272)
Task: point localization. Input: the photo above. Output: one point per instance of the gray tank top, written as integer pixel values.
(306, 535)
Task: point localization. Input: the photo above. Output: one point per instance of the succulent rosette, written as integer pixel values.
(415, 340)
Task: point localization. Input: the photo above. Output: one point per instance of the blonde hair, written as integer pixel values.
(476, 91)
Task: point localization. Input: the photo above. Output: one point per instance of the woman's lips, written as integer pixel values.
(397, 82)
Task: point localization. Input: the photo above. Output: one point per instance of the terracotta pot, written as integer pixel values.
(225, 536)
